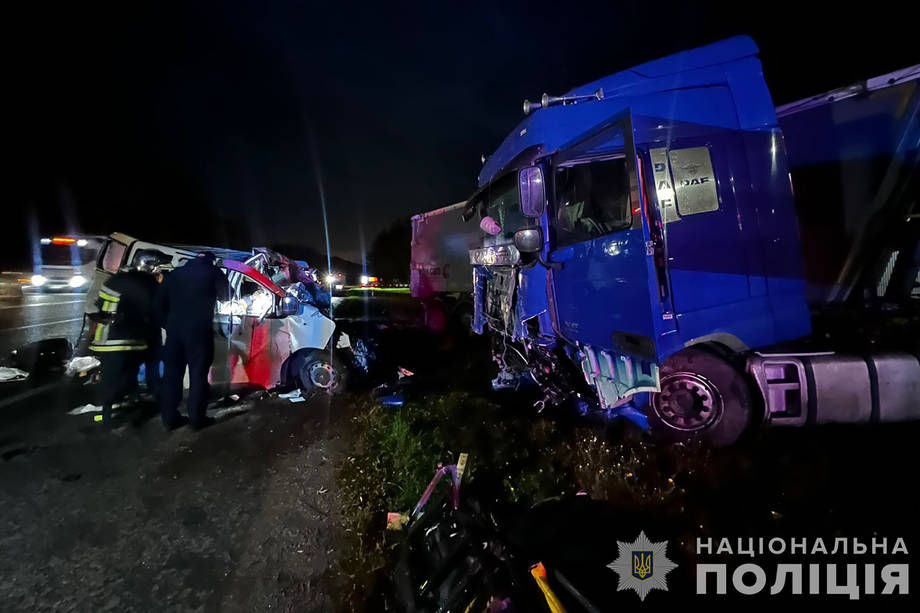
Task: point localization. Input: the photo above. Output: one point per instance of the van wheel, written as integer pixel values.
(320, 372)
(702, 397)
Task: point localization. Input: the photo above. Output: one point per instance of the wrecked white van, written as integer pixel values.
(269, 336)
(269, 333)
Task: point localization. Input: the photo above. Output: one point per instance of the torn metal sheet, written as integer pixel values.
(12, 374)
(81, 365)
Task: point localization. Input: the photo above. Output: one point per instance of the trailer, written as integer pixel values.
(439, 271)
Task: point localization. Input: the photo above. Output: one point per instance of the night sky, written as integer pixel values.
(210, 122)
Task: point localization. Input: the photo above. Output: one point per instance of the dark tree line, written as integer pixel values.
(389, 254)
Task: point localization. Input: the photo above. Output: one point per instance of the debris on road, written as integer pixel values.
(86, 408)
(294, 396)
(81, 365)
(8, 373)
(42, 356)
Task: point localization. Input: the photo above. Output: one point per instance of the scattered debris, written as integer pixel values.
(42, 357)
(86, 408)
(294, 396)
(8, 373)
(397, 521)
(393, 394)
(81, 365)
(456, 472)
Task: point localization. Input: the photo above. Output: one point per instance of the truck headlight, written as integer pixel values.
(38, 280)
(364, 279)
(77, 281)
(330, 279)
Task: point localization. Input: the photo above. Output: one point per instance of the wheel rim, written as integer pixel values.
(687, 402)
(322, 375)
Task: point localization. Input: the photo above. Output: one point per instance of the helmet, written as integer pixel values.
(149, 261)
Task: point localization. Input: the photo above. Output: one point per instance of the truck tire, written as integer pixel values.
(702, 397)
(320, 372)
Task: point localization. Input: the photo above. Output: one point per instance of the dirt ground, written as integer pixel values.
(239, 517)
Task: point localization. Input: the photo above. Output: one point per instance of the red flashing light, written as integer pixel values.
(63, 240)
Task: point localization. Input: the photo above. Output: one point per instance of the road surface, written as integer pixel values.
(242, 516)
(31, 318)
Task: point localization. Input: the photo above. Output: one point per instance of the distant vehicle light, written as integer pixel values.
(77, 281)
(46, 241)
(82, 242)
(63, 240)
(38, 280)
(330, 279)
(364, 279)
(339, 286)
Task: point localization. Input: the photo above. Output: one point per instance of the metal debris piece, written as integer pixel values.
(8, 373)
(81, 365)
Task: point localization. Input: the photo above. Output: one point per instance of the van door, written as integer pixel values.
(108, 262)
(251, 343)
(605, 294)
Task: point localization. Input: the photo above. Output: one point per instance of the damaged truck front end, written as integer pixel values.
(641, 250)
(593, 347)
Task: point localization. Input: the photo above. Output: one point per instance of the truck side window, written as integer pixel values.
(592, 199)
(504, 206)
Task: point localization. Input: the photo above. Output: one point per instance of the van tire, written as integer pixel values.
(320, 374)
(703, 397)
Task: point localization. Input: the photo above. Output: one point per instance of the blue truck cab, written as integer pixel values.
(640, 225)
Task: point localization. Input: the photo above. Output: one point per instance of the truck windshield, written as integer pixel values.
(66, 255)
(504, 206)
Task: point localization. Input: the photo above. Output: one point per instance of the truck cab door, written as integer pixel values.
(604, 289)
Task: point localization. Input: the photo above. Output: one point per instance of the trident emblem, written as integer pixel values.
(642, 567)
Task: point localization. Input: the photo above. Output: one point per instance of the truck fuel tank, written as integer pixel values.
(818, 388)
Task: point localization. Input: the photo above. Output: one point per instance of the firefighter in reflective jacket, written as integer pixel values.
(127, 333)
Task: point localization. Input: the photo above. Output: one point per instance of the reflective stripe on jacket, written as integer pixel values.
(107, 303)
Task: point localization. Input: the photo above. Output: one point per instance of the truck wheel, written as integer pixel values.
(319, 373)
(702, 397)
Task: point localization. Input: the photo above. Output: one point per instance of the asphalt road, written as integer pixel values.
(31, 318)
(242, 516)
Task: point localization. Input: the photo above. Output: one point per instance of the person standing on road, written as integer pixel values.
(186, 302)
(126, 327)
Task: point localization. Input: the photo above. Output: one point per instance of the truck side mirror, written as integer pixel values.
(529, 240)
(532, 191)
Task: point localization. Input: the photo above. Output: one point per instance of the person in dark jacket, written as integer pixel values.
(186, 302)
(127, 333)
